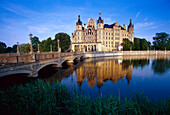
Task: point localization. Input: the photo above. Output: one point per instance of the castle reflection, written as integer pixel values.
(99, 70)
(103, 70)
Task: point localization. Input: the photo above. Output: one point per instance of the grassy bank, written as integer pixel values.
(52, 98)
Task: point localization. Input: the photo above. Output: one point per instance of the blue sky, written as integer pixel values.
(45, 18)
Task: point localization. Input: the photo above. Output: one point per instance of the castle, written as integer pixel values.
(104, 38)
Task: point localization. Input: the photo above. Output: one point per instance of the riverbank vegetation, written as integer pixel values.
(161, 41)
(40, 97)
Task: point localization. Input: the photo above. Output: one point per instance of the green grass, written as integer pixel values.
(42, 97)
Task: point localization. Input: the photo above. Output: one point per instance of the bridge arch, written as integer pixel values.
(66, 63)
(16, 72)
(47, 64)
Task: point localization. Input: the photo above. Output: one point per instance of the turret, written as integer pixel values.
(91, 23)
(130, 26)
(100, 22)
(79, 24)
(131, 31)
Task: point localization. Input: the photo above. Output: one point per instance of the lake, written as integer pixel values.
(119, 75)
(113, 76)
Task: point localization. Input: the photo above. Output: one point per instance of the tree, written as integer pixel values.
(9, 50)
(64, 41)
(136, 45)
(161, 40)
(45, 45)
(24, 48)
(127, 44)
(35, 42)
(2, 47)
(144, 44)
(14, 48)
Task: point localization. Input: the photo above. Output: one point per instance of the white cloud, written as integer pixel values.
(137, 15)
(145, 24)
(146, 18)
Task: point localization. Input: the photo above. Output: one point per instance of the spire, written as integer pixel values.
(100, 19)
(130, 26)
(91, 16)
(79, 22)
(78, 17)
(130, 22)
(99, 14)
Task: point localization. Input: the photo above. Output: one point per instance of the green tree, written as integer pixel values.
(9, 50)
(35, 42)
(2, 47)
(64, 41)
(24, 48)
(144, 44)
(127, 44)
(45, 45)
(161, 40)
(14, 48)
(136, 45)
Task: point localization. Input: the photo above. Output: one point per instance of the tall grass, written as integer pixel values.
(42, 97)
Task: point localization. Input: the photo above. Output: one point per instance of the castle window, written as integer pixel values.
(106, 37)
(84, 38)
(78, 38)
(112, 38)
(78, 33)
(99, 36)
(116, 44)
(109, 38)
(109, 33)
(117, 34)
(116, 38)
(106, 33)
(99, 32)
(83, 33)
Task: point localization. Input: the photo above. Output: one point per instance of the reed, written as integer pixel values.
(40, 97)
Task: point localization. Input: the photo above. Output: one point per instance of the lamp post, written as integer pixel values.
(38, 48)
(18, 48)
(31, 49)
(51, 48)
(59, 50)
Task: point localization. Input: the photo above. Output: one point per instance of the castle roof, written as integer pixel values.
(111, 26)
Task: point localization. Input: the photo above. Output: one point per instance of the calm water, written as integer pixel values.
(111, 76)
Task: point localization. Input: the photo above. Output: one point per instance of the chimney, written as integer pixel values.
(124, 26)
(78, 16)
(84, 26)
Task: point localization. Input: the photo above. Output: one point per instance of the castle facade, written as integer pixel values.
(105, 38)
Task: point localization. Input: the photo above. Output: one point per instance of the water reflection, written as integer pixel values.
(103, 70)
(161, 66)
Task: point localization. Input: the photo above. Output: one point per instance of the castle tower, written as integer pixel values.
(79, 24)
(91, 23)
(100, 22)
(100, 32)
(131, 31)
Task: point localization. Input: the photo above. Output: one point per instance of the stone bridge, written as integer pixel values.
(32, 63)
